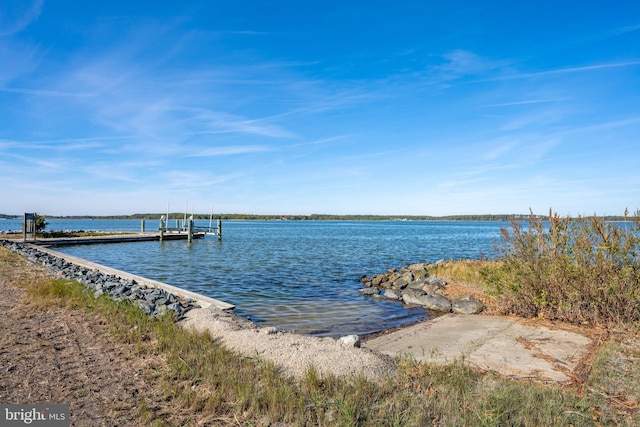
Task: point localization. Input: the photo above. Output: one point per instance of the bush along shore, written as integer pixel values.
(413, 285)
(153, 301)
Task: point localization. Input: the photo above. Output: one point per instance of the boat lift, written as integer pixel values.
(188, 227)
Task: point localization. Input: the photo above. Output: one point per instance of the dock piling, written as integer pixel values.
(161, 228)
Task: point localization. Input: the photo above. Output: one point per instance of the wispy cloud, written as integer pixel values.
(17, 15)
(612, 124)
(244, 32)
(500, 148)
(567, 70)
(42, 164)
(463, 63)
(626, 29)
(227, 150)
(63, 145)
(526, 102)
(614, 32)
(603, 129)
(535, 118)
(18, 59)
(7, 144)
(198, 180)
(43, 92)
(322, 141)
(111, 171)
(221, 122)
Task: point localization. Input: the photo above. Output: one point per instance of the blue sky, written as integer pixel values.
(301, 107)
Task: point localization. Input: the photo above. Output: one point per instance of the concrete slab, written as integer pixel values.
(501, 344)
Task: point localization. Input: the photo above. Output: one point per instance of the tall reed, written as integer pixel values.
(578, 270)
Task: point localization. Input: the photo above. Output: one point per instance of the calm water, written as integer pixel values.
(295, 275)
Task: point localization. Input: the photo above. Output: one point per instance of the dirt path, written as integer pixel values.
(58, 355)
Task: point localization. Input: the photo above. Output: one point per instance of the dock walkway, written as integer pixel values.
(113, 238)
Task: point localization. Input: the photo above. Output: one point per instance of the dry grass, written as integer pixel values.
(578, 270)
(466, 277)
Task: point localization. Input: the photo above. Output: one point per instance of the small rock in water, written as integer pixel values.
(393, 294)
(370, 291)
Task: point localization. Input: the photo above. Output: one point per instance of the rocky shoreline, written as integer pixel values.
(414, 285)
(152, 301)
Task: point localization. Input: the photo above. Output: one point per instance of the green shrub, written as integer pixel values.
(578, 270)
(41, 224)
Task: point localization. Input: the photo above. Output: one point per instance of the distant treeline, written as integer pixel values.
(3, 216)
(314, 217)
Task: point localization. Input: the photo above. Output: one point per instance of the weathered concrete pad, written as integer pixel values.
(501, 344)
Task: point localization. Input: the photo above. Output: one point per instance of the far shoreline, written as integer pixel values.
(310, 217)
(286, 217)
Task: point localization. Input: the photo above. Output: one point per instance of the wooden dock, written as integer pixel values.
(115, 238)
(185, 231)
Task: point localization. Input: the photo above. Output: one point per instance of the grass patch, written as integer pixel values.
(467, 277)
(16, 269)
(467, 272)
(614, 382)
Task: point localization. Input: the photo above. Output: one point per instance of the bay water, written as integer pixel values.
(294, 275)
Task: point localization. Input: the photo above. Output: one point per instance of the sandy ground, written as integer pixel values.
(292, 353)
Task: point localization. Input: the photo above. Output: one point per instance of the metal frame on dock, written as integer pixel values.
(190, 228)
